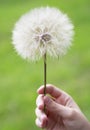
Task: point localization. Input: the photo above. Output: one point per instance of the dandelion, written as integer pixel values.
(43, 31)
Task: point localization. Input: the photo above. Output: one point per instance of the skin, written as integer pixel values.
(58, 111)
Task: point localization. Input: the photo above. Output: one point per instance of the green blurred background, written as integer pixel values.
(20, 79)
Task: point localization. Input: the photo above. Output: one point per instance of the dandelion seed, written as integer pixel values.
(42, 30)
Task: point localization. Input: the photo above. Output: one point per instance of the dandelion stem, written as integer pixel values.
(45, 70)
(45, 77)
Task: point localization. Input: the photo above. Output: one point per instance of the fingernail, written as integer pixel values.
(47, 100)
(40, 107)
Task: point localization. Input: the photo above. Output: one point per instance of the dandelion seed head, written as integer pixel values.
(42, 30)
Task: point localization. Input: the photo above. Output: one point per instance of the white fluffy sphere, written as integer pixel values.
(42, 30)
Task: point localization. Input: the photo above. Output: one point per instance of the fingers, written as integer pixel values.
(61, 97)
(53, 91)
(41, 119)
(55, 108)
(50, 89)
(40, 102)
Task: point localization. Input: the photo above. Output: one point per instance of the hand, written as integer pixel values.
(61, 112)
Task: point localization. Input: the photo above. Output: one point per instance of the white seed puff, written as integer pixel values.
(42, 30)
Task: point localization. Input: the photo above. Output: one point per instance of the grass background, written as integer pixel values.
(20, 79)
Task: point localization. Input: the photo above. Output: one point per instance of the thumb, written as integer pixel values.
(56, 108)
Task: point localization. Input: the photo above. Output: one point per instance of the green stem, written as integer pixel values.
(45, 70)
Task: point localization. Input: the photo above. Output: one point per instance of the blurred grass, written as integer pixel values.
(20, 79)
